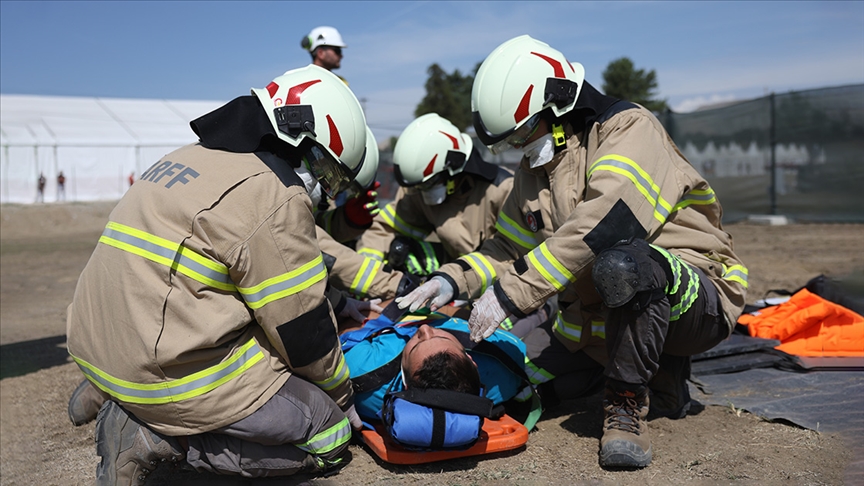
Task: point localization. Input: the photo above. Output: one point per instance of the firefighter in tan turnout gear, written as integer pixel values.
(606, 213)
(202, 311)
(446, 188)
(356, 274)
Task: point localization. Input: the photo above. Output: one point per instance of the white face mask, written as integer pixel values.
(540, 151)
(434, 195)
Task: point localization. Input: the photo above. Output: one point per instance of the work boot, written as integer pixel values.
(129, 450)
(85, 403)
(670, 395)
(625, 433)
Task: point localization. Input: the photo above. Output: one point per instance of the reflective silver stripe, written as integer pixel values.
(484, 269)
(598, 329)
(643, 182)
(339, 377)
(390, 217)
(327, 440)
(370, 253)
(570, 331)
(175, 390)
(551, 269)
(736, 273)
(514, 232)
(365, 276)
(536, 375)
(286, 284)
(696, 196)
(524, 394)
(167, 253)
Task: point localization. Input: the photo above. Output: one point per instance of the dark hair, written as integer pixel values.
(446, 371)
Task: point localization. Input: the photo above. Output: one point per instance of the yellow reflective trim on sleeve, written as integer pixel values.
(339, 376)
(372, 253)
(697, 197)
(482, 267)
(184, 388)
(514, 232)
(598, 329)
(365, 276)
(286, 284)
(621, 165)
(397, 223)
(549, 266)
(736, 273)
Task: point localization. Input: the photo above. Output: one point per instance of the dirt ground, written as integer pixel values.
(43, 249)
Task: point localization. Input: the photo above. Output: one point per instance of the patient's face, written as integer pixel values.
(426, 342)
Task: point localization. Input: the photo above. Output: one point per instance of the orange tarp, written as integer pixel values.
(808, 325)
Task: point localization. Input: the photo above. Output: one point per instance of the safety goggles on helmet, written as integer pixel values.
(436, 180)
(454, 162)
(333, 175)
(518, 137)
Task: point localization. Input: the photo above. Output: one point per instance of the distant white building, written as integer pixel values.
(96, 142)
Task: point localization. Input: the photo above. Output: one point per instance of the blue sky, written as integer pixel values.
(702, 51)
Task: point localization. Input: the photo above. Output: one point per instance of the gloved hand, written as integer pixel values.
(361, 209)
(486, 316)
(437, 288)
(353, 307)
(353, 418)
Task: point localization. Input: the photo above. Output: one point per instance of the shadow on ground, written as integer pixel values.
(25, 357)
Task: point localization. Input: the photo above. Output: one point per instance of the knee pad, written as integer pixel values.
(623, 271)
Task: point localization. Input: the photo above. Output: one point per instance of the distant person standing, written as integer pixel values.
(61, 186)
(40, 188)
(325, 46)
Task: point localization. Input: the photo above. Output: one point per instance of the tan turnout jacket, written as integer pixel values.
(205, 292)
(624, 172)
(462, 222)
(352, 272)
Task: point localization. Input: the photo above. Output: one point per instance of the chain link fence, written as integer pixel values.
(799, 154)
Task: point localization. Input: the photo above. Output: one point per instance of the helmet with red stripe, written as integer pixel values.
(429, 150)
(312, 109)
(518, 80)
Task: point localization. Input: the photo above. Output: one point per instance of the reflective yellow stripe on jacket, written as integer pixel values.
(368, 270)
(208, 272)
(514, 232)
(484, 269)
(552, 270)
(168, 253)
(185, 388)
(391, 218)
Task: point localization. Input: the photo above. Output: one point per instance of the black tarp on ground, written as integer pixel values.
(744, 372)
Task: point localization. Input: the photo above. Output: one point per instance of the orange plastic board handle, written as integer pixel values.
(499, 435)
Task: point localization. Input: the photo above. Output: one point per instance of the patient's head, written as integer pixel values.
(434, 358)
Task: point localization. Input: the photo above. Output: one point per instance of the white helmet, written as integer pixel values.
(312, 109)
(322, 36)
(517, 81)
(367, 173)
(430, 150)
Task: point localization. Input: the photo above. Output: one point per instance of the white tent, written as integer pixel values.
(95, 142)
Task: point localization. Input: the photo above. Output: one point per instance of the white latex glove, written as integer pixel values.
(486, 316)
(437, 288)
(353, 418)
(353, 307)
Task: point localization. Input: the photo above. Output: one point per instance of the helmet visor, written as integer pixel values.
(428, 184)
(333, 175)
(518, 137)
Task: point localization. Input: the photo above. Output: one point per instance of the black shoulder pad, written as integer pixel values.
(281, 168)
(503, 175)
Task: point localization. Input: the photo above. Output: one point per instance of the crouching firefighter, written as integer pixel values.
(608, 215)
(401, 371)
(202, 312)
